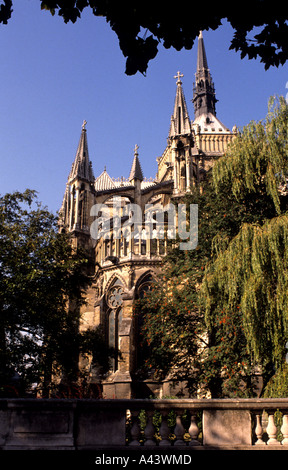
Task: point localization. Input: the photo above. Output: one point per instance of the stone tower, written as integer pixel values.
(193, 146)
(79, 195)
(126, 256)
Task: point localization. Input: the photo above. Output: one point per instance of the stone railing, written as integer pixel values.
(144, 424)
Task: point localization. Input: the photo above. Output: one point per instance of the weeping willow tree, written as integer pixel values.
(246, 282)
(256, 162)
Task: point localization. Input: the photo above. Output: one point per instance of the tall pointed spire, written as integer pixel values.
(180, 121)
(82, 168)
(204, 98)
(202, 62)
(136, 170)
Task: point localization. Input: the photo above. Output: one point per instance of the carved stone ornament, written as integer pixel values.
(114, 297)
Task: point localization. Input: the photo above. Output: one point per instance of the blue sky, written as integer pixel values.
(53, 76)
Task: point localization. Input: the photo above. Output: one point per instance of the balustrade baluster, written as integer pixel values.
(153, 425)
(149, 430)
(135, 430)
(284, 430)
(164, 430)
(179, 431)
(194, 431)
(272, 431)
(259, 431)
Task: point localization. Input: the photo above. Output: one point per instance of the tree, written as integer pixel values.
(171, 333)
(42, 282)
(174, 325)
(178, 27)
(233, 285)
(246, 282)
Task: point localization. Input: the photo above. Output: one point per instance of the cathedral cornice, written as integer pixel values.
(128, 264)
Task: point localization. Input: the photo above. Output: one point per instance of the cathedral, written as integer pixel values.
(124, 257)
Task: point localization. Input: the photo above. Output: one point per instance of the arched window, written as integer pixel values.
(114, 322)
(82, 207)
(145, 286)
(114, 299)
(73, 204)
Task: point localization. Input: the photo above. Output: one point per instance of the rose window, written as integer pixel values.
(115, 297)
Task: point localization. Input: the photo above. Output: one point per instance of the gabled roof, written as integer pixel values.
(209, 123)
(104, 181)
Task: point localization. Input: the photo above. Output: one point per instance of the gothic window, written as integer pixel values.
(113, 246)
(144, 287)
(82, 207)
(143, 242)
(179, 120)
(107, 244)
(124, 242)
(114, 316)
(137, 244)
(161, 246)
(115, 297)
(73, 203)
(114, 323)
(153, 242)
(115, 293)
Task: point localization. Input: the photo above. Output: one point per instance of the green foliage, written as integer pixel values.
(277, 386)
(247, 278)
(132, 21)
(219, 313)
(251, 275)
(171, 330)
(174, 325)
(40, 277)
(256, 162)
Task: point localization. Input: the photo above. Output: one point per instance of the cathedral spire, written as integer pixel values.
(81, 168)
(180, 121)
(202, 62)
(75, 208)
(204, 98)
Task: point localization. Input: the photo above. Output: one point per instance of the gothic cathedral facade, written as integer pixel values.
(123, 266)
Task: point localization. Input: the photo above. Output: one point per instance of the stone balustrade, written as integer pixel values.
(137, 424)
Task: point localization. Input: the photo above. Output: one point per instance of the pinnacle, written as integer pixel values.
(82, 168)
(136, 170)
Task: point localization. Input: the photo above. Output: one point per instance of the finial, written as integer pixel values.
(178, 76)
(84, 125)
(200, 35)
(136, 150)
